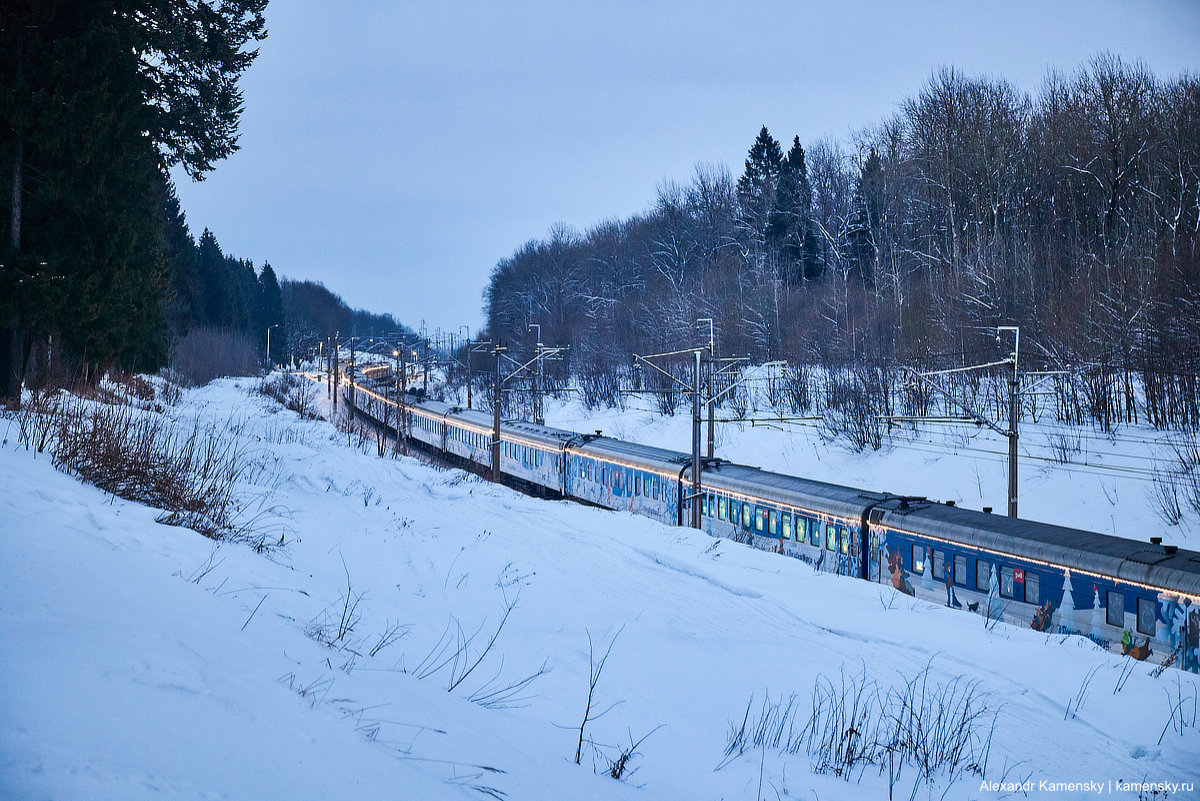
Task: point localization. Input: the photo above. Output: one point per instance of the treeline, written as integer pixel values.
(1074, 213)
(311, 308)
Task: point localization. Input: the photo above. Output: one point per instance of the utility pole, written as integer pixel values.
(396, 390)
(1013, 408)
(425, 361)
(404, 395)
(708, 390)
(499, 351)
(537, 378)
(350, 380)
(472, 348)
(694, 389)
(696, 442)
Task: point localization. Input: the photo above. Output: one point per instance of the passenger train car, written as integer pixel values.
(1141, 598)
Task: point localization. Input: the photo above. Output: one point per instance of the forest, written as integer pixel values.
(1073, 213)
(101, 102)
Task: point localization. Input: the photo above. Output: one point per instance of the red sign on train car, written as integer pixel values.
(1018, 574)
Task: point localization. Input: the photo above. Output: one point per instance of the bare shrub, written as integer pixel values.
(141, 456)
(797, 388)
(600, 386)
(293, 392)
(854, 405)
(936, 728)
(207, 353)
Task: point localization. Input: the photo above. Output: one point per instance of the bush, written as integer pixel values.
(293, 392)
(141, 456)
(208, 353)
(936, 728)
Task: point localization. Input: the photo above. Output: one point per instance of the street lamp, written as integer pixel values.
(269, 345)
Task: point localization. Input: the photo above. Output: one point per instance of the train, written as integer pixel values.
(1141, 599)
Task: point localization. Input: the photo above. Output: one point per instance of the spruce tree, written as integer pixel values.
(756, 187)
(212, 280)
(270, 312)
(790, 232)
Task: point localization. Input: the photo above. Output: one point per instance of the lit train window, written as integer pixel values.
(654, 489)
(704, 505)
(1006, 581)
(939, 565)
(787, 526)
(830, 537)
(814, 532)
(960, 569)
(746, 515)
(844, 537)
(918, 559)
(1115, 614)
(758, 520)
(1147, 621)
(982, 573)
(720, 508)
(1033, 589)
(735, 511)
(773, 523)
(712, 506)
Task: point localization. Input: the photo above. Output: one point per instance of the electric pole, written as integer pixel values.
(1013, 404)
(696, 442)
(499, 351)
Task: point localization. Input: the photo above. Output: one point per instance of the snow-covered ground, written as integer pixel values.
(139, 660)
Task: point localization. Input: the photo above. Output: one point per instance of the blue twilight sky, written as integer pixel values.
(396, 151)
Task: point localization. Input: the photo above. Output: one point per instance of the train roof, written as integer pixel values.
(634, 453)
(804, 493)
(1088, 551)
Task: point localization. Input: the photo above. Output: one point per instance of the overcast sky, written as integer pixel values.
(396, 151)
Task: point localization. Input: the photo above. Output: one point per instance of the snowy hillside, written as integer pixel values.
(413, 632)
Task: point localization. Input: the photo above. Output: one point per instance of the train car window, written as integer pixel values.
(1033, 588)
(704, 506)
(939, 565)
(773, 523)
(637, 484)
(787, 526)
(655, 489)
(918, 559)
(814, 532)
(960, 569)
(1147, 621)
(983, 574)
(844, 537)
(759, 513)
(720, 508)
(735, 511)
(712, 505)
(830, 537)
(747, 514)
(1006, 581)
(1115, 614)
